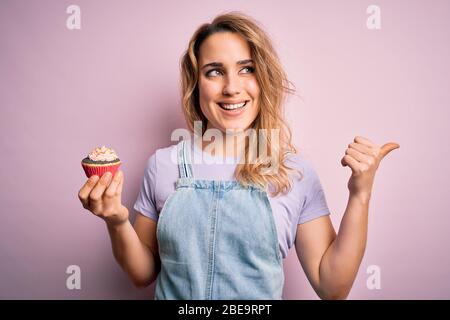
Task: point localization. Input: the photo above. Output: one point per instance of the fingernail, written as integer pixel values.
(107, 175)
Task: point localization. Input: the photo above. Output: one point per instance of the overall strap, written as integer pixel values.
(184, 159)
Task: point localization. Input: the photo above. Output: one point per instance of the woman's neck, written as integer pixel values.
(230, 144)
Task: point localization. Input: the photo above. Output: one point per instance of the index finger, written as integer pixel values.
(112, 189)
(365, 141)
(87, 187)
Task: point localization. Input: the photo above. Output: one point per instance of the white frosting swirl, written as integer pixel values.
(103, 154)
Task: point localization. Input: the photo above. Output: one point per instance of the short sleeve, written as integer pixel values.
(146, 203)
(315, 203)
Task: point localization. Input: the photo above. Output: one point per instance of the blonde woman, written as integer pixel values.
(219, 228)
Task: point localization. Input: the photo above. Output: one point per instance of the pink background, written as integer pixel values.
(115, 82)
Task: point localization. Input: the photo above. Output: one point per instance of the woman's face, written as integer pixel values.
(228, 89)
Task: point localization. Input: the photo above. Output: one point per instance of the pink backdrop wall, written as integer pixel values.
(115, 82)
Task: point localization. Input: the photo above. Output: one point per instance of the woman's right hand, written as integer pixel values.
(102, 196)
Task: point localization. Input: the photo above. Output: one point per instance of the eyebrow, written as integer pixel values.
(219, 64)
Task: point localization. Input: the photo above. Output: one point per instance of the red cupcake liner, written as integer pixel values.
(100, 170)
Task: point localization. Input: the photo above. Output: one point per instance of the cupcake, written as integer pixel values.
(99, 161)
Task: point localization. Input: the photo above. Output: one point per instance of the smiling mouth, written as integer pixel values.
(232, 107)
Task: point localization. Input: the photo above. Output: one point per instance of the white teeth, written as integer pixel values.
(232, 106)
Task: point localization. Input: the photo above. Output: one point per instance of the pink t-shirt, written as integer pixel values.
(306, 200)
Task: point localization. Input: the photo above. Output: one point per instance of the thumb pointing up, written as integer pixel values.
(363, 157)
(388, 147)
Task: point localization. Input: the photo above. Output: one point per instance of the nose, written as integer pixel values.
(232, 85)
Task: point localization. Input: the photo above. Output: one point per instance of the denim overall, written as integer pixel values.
(217, 240)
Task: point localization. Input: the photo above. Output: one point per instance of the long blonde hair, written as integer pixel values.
(274, 87)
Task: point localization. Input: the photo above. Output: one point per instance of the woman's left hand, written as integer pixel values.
(363, 157)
